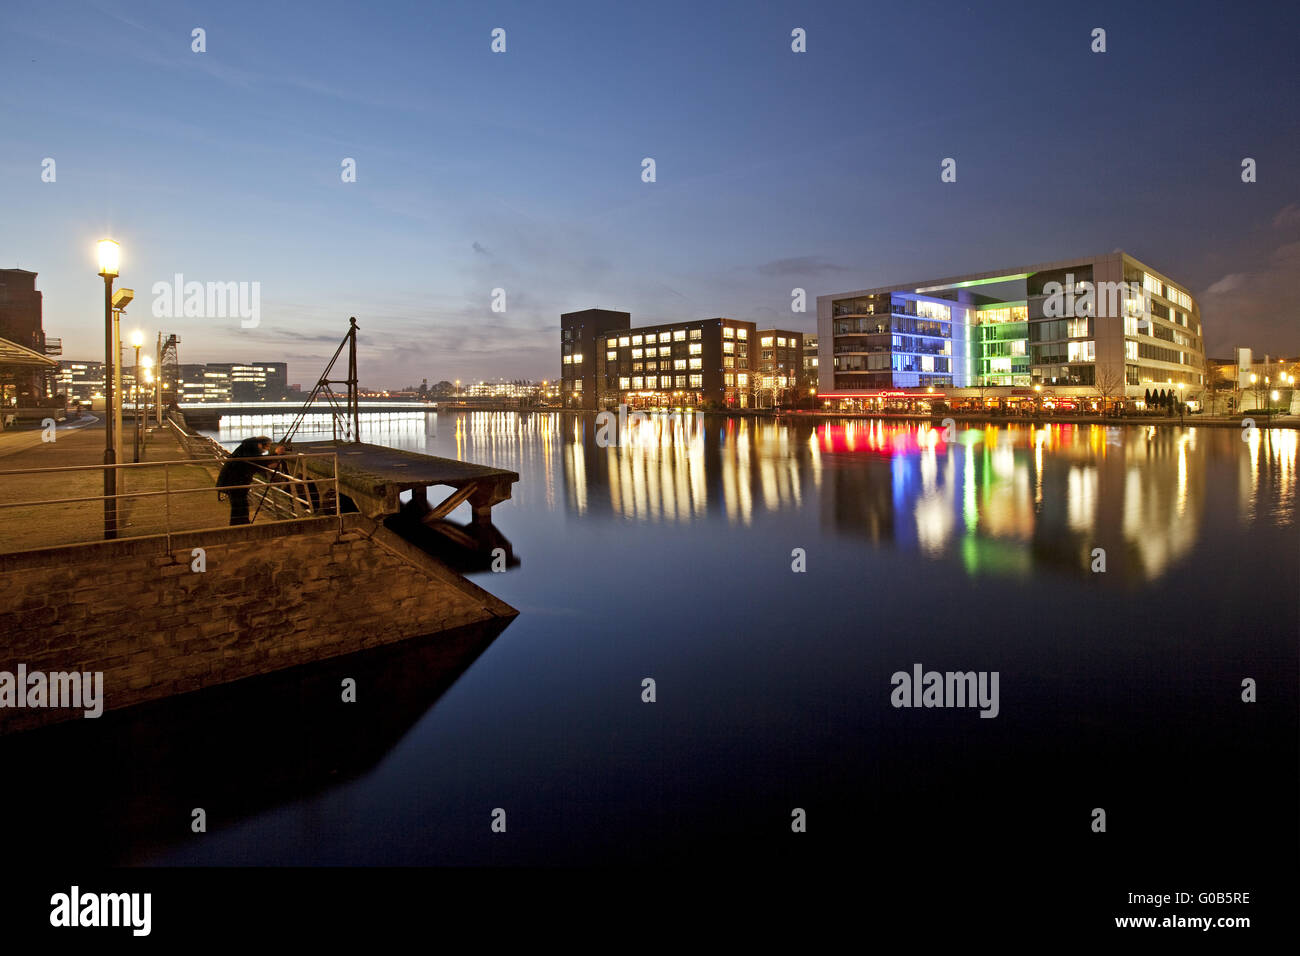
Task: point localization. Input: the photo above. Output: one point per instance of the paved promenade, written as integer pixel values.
(82, 443)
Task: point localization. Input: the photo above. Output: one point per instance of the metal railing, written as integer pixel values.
(284, 483)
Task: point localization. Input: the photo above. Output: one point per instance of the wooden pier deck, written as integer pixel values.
(374, 477)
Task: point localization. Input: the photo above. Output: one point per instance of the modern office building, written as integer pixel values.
(779, 367)
(81, 381)
(25, 379)
(1092, 332)
(809, 377)
(605, 362)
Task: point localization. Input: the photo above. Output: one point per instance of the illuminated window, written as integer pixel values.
(665, 381)
(696, 348)
(611, 356)
(679, 363)
(625, 341)
(636, 340)
(679, 335)
(1081, 352)
(765, 342)
(665, 336)
(637, 353)
(1130, 350)
(577, 385)
(728, 348)
(728, 378)
(742, 333)
(780, 342)
(679, 381)
(728, 332)
(697, 363)
(742, 379)
(728, 362)
(1017, 348)
(577, 359)
(697, 333)
(568, 360)
(1076, 328)
(697, 381)
(1152, 284)
(636, 381)
(652, 366)
(624, 382)
(665, 350)
(638, 367)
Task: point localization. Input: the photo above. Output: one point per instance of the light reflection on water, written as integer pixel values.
(1000, 498)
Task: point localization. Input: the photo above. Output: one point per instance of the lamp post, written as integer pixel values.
(146, 363)
(137, 340)
(109, 256)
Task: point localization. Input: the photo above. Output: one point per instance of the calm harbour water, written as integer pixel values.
(671, 558)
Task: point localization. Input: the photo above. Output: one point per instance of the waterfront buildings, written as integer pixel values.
(26, 369)
(605, 362)
(778, 368)
(1094, 333)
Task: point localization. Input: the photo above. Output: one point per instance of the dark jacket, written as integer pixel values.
(239, 467)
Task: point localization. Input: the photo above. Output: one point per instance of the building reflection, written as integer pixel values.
(1003, 499)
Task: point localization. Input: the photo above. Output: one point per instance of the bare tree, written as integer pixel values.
(1109, 383)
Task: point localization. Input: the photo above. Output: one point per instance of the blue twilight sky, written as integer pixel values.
(522, 170)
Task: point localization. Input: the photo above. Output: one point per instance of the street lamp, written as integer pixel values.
(109, 256)
(137, 340)
(142, 417)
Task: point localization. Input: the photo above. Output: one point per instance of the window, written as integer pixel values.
(577, 359)
(742, 379)
(742, 333)
(665, 350)
(728, 378)
(1081, 352)
(636, 340)
(697, 381)
(1130, 350)
(652, 366)
(679, 363)
(765, 342)
(696, 348)
(568, 360)
(1152, 284)
(636, 381)
(697, 333)
(697, 363)
(780, 342)
(611, 356)
(665, 337)
(624, 382)
(679, 381)
(728, 362)
(728, 332)
(577, 385)
(638, 366)
(625, 341)
(679, 335)
(665, 381)
(1076, 328)
(637, 353)
(728, 348)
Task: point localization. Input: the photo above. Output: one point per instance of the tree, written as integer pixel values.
(1109, 383)
(1216, 383)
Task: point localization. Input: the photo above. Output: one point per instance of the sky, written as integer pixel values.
(522, 170)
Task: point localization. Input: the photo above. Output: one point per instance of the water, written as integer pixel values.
(671, 558)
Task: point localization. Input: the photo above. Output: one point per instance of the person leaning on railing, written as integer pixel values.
(237, 473)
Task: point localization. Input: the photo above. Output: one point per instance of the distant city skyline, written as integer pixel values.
(522, 170)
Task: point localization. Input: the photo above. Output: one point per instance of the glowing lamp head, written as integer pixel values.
(146, 362)
(109, 257)
(137, 339)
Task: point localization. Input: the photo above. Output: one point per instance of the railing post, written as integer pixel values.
(338, 499)
(167, 503)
